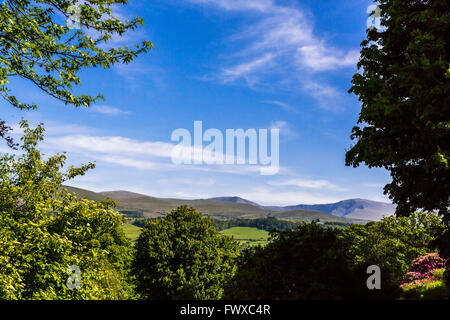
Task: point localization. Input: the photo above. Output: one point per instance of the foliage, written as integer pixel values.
(4, 130)
(44, 230)
(182, 256)
(404, 124)
(424, 280)
(432, 290)
(424, 268)
(392, 243)
(267, 224)
(306, 263)
(38, 45)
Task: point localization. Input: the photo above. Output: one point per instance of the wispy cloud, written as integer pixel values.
(108, 110)
(286, 36)
(327, 96)
(144, 155)
(269, 196)
(307, 184)
(247, 69)
(281, 104)
(286, 130)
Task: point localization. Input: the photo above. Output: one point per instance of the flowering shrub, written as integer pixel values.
(424, 269)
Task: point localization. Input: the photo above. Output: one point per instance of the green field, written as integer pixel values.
(131, 231)
(247, 236)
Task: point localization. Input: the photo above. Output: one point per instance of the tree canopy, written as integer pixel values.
(393, 243)
(404, 88)
(309, 262)
(44, 230)
(38, 43)
(182, 256)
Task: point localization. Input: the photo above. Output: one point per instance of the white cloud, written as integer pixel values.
(246, 69)
(112, 145)
(266, 196)
(286, 131)
(281, 104)
(307, 184)
(258, 5)
(197, 181)
(143, 155)
(108, 110)
(319, 58)
(328, 97)
(287, 37)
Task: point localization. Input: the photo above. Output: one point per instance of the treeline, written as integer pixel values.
(306, 262)
(267, 224)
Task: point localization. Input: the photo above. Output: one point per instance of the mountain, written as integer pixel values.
(235, 200)
(122, 194)
(83, 193)
(137, 205)
(352, 208)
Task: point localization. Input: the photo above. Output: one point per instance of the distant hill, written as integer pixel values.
(82, 193)
(235, 200)
(122, 194)
(352, 208)
(134, 204)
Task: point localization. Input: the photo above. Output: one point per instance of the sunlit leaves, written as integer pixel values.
(37, 45)
(44, 230)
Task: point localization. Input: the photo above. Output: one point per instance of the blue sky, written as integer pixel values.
(231, 64)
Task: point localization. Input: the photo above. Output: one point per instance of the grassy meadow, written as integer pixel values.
(247, 236)
(131, 231)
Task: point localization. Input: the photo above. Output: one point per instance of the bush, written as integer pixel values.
(44, 230)
(425, 278)
(393, 243)
(309, 262)
(182, 256)
(424, 268)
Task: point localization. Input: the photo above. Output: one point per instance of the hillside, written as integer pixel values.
(352, 208)
(137, 205)
(82, 193)
(235, 200)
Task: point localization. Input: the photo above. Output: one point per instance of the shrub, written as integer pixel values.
(424, 268)
(425, 278)
(309, 262)
(44, 230)
(393, 243)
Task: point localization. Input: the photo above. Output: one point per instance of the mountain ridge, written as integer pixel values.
(232, 207)
(352, 208)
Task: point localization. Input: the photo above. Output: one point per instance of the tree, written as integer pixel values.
(182, 256)
(404, 87)
(393, 243)
(4, 129)
(309, 262)
(38, 45)
(44, 230)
